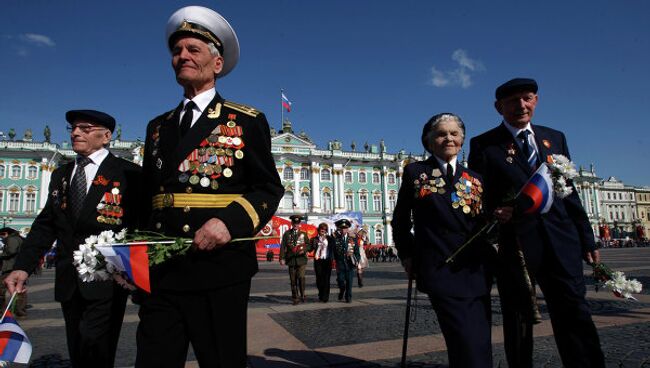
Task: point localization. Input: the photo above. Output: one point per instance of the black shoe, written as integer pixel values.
(361, 284)
(348, 300)
(340, 295)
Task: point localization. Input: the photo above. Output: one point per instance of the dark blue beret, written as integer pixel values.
(514, 86)
(92, 116)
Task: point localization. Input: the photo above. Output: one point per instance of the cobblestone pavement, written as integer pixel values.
(368, 331)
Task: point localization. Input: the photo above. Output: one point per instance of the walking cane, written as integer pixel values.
(407, 320)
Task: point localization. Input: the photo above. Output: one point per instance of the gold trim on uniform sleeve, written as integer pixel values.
(193, 200)
(249, 209)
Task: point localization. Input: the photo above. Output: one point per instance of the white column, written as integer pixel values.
(46, 177)
(315, 187)
(384, 188)
(296, 185)
(339, 195)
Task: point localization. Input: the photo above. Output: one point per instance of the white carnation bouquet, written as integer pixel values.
(616, 282)
(562, 170)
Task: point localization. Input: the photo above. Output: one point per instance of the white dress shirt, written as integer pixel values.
(515, 133)
(201, 102)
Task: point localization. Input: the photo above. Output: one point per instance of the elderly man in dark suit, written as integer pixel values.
(209, 176)
(440, 200)
(553, 243)
(78, 194)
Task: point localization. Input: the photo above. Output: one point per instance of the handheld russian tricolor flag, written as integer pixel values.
(14, 344)
(539, 189)
(131, 259)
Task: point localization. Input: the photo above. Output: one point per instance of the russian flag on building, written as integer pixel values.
(286, 103)
(132, 259)
(539, 189)
(14, 344)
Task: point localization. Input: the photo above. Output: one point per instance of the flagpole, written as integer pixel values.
(13, 296)
(281, 109)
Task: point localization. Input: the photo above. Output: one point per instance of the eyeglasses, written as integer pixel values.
(86, 128)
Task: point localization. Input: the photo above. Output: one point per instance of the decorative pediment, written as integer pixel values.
(290, 142)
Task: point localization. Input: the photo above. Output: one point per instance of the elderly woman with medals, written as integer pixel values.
(438, 209)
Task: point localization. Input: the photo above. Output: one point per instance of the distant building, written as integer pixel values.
(318, 182)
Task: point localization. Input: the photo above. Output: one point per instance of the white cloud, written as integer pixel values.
(40, 40)
(461, 75)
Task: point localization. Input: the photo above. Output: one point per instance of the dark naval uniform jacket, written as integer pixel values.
(116, 184)
(222, 168)
(564, 228)
(346, 260)
(444, 216)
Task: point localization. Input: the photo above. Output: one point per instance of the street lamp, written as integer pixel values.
(6, 220)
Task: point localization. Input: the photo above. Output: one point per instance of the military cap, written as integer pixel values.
(209, 26)
(514, 86)
(343, 223)
(8, 230)
(295, 219)
(92, 116)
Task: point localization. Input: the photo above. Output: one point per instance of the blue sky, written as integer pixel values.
(354, 70)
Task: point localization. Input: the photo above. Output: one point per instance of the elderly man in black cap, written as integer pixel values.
(553, 244)
(12, 243)
(76, 205)
(210, 176)
(347, 256)
(293, 253)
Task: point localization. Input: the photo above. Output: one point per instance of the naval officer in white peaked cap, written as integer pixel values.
(210, 177)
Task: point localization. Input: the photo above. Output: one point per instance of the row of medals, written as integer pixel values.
(435, 185)
(467, 191)
(109, 208)
(206, 166)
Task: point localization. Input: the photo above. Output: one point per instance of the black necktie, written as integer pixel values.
(529, 151)
(450, 174)
(78, 186)
(186, 122)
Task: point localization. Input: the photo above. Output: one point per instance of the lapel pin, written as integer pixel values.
(546, 143)
(509, 159)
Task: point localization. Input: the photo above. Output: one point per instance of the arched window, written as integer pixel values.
(304, 201)
(32, 172)
(304, 173)
(391, 178)
(392, 201)
(376, 202)
(2, 200)
(327, 202)
(30, 202)
(287, 173)
(2, 171)
(348, 177)
(349, 202)
(288, 200)
(325, 175)
(363, 202)
(375, 178)
(362, 177)
(15, 171)
(379, 236)
(14, 201)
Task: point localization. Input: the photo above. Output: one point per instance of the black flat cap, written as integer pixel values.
(514, 86)
(343, 223)
(92, 116)
(295, 219)
(8, 230)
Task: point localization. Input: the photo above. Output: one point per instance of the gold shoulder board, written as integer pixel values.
(250, 111)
